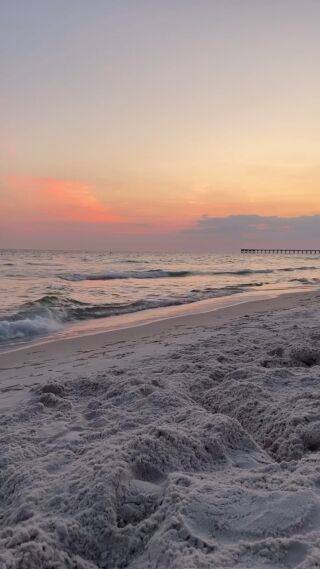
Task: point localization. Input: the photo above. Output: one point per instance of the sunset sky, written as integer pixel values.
(159, 124)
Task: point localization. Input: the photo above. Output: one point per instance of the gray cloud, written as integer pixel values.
(235, 231)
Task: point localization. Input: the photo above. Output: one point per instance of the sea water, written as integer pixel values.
(43, 292)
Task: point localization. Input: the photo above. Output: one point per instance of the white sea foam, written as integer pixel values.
(27, 327)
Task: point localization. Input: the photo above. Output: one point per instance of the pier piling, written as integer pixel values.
(281, 251)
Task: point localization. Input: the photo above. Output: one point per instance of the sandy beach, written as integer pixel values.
(189, 442)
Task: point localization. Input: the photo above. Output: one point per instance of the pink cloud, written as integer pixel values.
(40, 198)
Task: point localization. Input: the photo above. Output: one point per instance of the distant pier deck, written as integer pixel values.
(281, 251)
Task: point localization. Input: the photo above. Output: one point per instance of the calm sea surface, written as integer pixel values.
(42, 292)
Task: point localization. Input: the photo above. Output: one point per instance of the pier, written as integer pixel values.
(281, 251)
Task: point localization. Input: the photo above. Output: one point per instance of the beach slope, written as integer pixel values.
(189, 443)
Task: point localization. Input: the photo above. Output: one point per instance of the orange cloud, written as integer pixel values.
(56, 199)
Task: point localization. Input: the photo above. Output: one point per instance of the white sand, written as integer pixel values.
(187, 443)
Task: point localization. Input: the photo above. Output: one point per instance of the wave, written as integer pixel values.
(151, 274)
(134, 261)
(304, 280)
(49, 313)
(290, 269)
(27, 328)
(155, 274)
(164, 273)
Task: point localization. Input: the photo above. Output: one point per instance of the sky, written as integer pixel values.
(177, 125)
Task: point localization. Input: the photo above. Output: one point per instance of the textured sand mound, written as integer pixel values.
(205, 457)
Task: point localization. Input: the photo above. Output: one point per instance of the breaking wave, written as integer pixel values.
(49, 313)
(27, 328)
(152, 274)
(162, 273)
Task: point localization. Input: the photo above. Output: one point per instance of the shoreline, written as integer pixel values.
(36, 362)
(121, 323)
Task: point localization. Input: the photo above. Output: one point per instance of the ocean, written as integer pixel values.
(45, 292)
